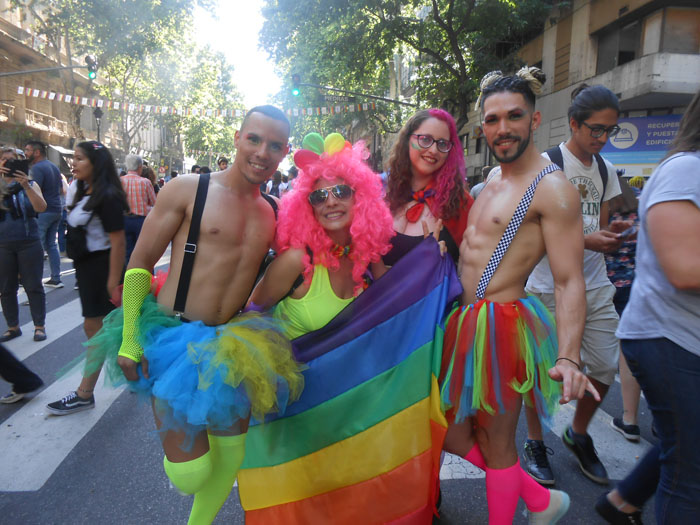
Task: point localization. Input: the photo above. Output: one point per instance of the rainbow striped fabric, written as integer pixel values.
(363, 443)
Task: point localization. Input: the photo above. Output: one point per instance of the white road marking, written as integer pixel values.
(34, 443)
(59, 322)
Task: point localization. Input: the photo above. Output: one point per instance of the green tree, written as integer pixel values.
(210, 86)
(137, 44)
(353, 44)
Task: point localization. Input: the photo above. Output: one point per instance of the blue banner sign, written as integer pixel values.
(642, 140)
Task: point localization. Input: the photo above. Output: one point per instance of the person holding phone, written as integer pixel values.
(20, 246)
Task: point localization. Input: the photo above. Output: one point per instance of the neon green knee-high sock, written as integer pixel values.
(189, 476)
(227, 456)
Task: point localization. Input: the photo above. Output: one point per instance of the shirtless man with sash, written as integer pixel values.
(500, 344)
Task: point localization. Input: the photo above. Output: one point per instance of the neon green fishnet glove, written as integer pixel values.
(137, 285)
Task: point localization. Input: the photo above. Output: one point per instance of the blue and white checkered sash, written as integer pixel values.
(510, 232)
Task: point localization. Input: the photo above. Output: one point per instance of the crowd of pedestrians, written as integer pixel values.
(548, 237)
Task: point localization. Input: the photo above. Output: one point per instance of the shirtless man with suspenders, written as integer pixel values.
(500, 344)
(220, 260)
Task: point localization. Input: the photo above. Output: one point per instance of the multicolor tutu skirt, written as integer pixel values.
(204, 377)
(494, 353)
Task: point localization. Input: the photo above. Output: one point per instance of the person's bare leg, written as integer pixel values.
(460, 439)
(586, 407)
(496, 437)
(91, 325)
(174, 441)
(631, 393)
(534, 428)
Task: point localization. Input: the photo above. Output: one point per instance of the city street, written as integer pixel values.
(105, 465)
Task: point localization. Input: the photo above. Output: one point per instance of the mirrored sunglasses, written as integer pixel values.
(342, 192)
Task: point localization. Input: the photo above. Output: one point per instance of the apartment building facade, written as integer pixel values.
(645, 51)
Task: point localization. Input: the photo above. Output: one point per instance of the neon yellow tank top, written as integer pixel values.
(315, 309)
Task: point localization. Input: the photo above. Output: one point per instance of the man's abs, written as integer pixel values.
(508, 283)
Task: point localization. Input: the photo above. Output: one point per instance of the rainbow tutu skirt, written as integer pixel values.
(496, 353)
(204, 377)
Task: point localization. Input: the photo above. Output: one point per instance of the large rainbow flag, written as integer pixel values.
(363, 443)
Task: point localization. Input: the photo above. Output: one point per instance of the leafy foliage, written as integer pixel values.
(144, 58)
(355, 44)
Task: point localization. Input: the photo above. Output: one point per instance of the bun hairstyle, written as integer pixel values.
(586, 100)
(528, 81)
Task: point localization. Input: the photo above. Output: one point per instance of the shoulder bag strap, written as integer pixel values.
(510, 232)
(183, 284)
(603, 170)
(555, 155)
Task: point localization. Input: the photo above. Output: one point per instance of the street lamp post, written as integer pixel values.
(98, 113)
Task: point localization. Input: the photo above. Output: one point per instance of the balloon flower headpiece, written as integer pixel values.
(314, 146)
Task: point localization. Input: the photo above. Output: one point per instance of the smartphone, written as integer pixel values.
(629, 231)
(17, 165)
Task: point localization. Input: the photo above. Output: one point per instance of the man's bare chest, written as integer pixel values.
(229, 222)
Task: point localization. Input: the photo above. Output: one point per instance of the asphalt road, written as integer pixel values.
(105, 465)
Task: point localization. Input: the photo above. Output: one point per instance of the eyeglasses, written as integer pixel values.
(425, 141)
(342, 192)
(599, 131)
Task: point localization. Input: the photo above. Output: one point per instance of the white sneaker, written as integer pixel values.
(558, 506)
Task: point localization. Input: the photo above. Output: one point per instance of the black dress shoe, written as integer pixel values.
(537, 463)
(583, 449)
(612, 515)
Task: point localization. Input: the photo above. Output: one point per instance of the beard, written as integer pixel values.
(523, 143)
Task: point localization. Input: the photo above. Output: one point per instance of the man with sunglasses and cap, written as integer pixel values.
(593, 116)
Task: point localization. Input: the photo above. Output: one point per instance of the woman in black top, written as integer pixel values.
(20, 249)
(99, 205)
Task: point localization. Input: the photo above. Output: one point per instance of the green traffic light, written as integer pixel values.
(92, 75)
(295, 92)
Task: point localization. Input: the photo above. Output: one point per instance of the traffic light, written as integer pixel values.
(91, 62)
(296, 79)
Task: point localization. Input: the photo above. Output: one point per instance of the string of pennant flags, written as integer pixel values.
(215, 155)
(183, 111)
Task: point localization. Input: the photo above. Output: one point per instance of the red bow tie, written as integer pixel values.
(420, 196)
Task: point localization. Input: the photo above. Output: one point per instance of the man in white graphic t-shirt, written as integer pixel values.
(593, 118)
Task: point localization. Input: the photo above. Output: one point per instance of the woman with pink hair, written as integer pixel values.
(332, 228)
(426, 185)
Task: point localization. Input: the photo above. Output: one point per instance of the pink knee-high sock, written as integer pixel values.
(535, 496)
(502, 493)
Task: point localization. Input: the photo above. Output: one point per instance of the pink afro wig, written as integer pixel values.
(372, 225)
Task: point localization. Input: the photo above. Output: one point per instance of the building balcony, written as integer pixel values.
(7, 113)
(47, 123)
(654, 81)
